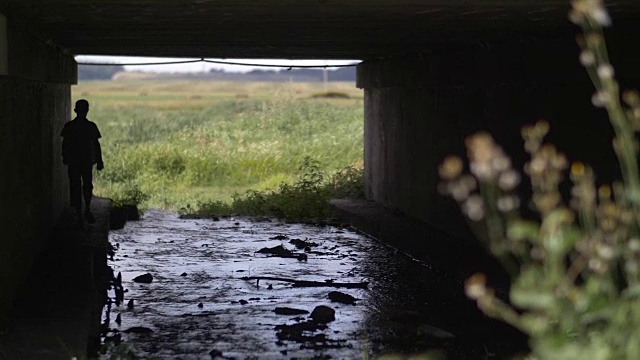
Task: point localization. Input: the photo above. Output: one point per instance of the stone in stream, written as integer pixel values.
(323, 314)
(302, 244)
(337, 296)
(277, 251)
(302, 333)
(118, 320)
(200, 305)
(215, 353)
(289, 311)
(130, 304)
(183, 274)
(138, 330)
(144, 278)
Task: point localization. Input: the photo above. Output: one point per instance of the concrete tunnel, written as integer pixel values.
(433, 71)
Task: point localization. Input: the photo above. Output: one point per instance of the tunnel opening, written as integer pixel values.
(191, 141)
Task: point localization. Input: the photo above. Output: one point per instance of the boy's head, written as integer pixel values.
(82, 108)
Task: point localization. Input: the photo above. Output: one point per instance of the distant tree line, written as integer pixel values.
(303, 75)
(92, 72)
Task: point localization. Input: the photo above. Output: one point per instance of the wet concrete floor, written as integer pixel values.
(199, 307)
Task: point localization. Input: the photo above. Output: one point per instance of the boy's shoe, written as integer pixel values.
(89, 216)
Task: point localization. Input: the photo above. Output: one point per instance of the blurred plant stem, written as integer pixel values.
(575, 267)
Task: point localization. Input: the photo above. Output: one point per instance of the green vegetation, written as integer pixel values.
(305, 199)
(192, 144)
(575, 268)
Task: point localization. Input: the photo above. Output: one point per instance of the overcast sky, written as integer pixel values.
(199, 67)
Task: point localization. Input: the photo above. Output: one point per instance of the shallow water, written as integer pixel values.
(407, 307)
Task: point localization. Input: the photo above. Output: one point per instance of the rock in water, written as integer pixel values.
(302, 244)
(289, 311)
(277, 251)
(215, 354)
(145, 279)
(323, 314)
(138, 330)
(343, 298)
(118, 320)
(130, 304)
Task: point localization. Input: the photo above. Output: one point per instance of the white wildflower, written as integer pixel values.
(600, 99)
(508, 203)
(587, 58)
(576, 17)
(606, 252)
(458, 191)
(474, 208)
(476, 286)
(605, 72)
(482, 170)
(451, 167)
(509, 180)
(634, 245)
(500, 163)
(600, 15)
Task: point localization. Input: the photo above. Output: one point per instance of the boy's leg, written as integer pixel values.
(75, 189)
(87, 191)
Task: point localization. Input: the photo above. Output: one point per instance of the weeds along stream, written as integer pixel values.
(197, 305)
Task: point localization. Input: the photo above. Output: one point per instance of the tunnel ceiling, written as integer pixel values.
(330, 29)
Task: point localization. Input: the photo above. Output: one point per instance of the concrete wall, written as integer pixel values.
(418, 109)
(4, 58)
(35, 102)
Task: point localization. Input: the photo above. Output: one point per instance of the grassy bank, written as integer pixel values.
(187, 142)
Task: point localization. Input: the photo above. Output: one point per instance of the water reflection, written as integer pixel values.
(198, 306)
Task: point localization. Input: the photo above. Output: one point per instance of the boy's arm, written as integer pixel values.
(98, 150)
(100, 164)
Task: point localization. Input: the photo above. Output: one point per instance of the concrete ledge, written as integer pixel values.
(451, 255)
(57, 315)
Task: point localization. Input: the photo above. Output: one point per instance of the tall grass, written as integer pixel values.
(184, 148)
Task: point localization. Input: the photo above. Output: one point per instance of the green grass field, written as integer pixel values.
(186, 142)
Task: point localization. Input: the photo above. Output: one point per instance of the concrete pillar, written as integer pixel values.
(420, 108)
(4, 57)
(35, 102)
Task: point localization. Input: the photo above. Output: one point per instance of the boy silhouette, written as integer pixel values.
(80, 151)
